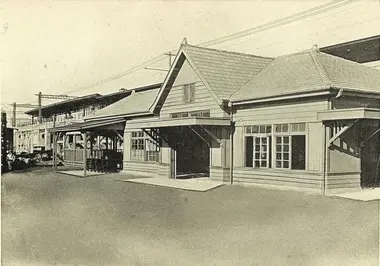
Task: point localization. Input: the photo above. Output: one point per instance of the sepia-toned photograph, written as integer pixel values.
(218, 132)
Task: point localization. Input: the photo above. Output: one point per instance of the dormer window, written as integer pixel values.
(189, 93)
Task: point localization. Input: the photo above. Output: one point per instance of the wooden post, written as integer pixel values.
(39, 108)
(85, 154)
(54, 149)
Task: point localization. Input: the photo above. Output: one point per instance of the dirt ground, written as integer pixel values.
(54, 219)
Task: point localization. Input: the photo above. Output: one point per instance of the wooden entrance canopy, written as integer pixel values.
(171, 122)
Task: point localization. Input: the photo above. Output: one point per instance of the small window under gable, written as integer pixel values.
(189, 93)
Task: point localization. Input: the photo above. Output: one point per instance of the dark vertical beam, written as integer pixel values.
(40, 107)
(14, 115)
(85, 154)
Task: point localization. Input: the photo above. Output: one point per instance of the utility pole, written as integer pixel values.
(14, 114)
(23, 105)
(170, 54)
(40, 108)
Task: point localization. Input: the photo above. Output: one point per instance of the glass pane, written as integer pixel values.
(278, 164)
(257, 147)
(264, 164)
(278, 128)
(294, 127)
(257, 140)
(286, 148)
(285, 128)
(262, 129)
(264, 140)
(257, 163)
(264, 148)
(247, 129)
(302, 127)
(286, 156)
(255, 129)
(286, 164)
(286, 139)
(278, 156)
(278, 140)
(269, 129)
(278, 147)
(264, 156)
(257, 156)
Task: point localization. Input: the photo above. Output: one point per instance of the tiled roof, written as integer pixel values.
(308, 71)
(136, 103)
(225, 71)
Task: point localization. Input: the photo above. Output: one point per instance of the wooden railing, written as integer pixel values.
(75, 156)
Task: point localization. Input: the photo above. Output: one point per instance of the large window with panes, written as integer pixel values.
(280, 146)
(145, 147)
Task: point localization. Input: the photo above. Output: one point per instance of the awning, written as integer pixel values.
(174, 122)
(115, 124)
(349, 114)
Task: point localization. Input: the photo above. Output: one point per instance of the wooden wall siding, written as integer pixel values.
(238, 147)
(354, 102)
(314, 156)
(301, 179)
(343, 180)
(220, 173)
(203, 98)
(127, 146)
(280, 113)
(146, 169)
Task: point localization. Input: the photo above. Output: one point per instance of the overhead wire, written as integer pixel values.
(301, 15)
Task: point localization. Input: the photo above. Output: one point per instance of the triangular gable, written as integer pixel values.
(179, 60)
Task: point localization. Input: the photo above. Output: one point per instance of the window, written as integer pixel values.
(144, 148)
(203, 113)
(289, 142)
(258, 146)
(189, 93)
(290, 146)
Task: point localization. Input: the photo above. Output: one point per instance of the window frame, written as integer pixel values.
(147, 149)
(287, 130)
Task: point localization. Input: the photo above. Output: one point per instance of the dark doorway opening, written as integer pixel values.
(298, 152)
(370, 157)
(192, 155)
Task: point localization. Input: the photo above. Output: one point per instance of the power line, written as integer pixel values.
(304, 14)
(301, 15)
(319, 18)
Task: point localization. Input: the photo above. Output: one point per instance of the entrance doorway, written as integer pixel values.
(370, 157)
(191, 155)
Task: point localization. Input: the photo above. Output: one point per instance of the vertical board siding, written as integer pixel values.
(315, 147)
(203, 98)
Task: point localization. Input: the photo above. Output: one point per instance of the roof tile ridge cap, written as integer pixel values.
(226, 51)
(250, 79)
(322, 72)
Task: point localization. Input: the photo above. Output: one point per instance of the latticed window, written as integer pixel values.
(144, 147)
(283, 148)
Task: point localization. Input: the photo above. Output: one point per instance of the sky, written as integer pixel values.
(60, 47)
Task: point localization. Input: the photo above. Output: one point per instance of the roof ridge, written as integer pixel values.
(322, 72)
(225, 51)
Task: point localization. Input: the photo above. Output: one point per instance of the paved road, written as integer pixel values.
(50, 218)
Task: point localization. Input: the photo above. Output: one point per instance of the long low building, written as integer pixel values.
(307, 120)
